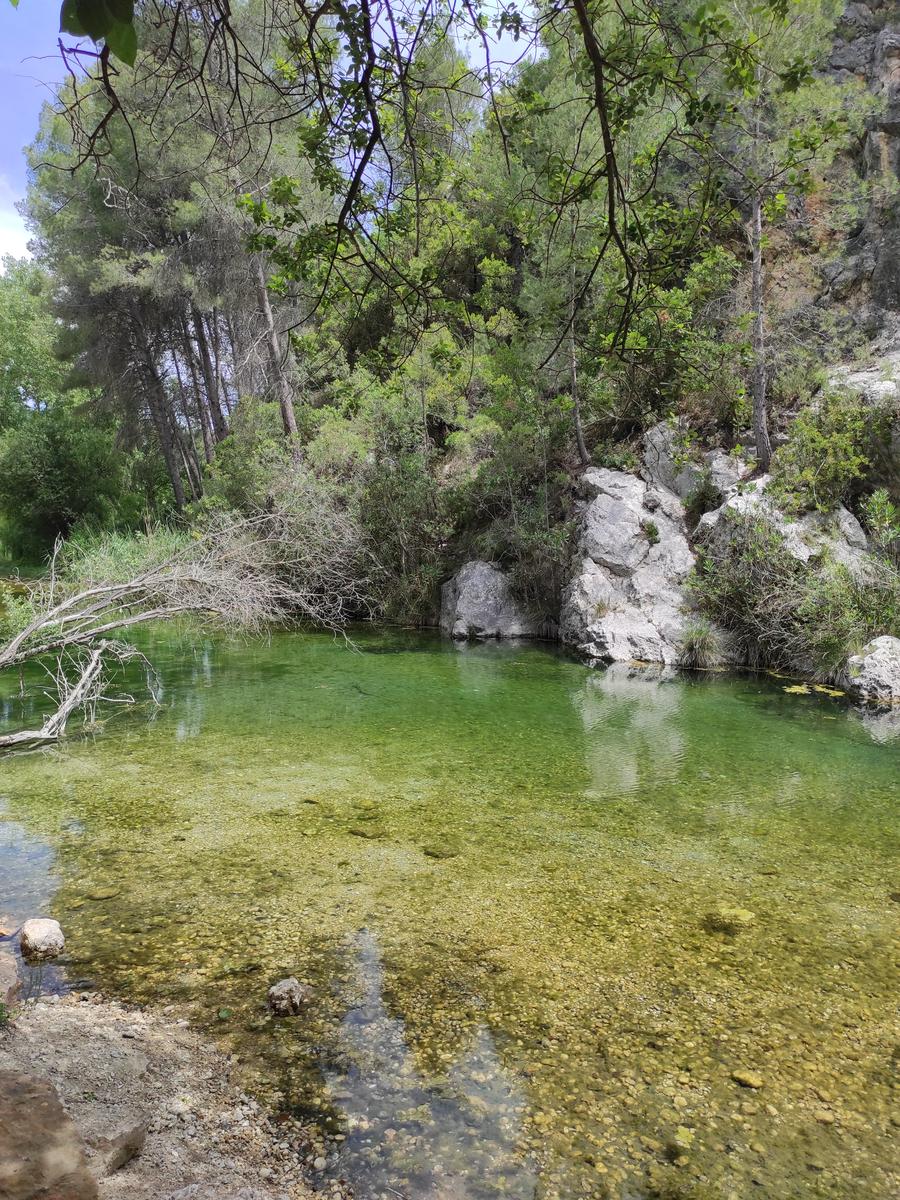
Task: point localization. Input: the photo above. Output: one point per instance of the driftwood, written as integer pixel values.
(73, 695)
(296, 563)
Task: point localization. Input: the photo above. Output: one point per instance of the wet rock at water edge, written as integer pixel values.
(288, 997)
(9, 977)
(729, 920)
(874, 673)
(478, 603)
(41, 938)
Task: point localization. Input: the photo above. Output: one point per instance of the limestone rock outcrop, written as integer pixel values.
(626, 601)
(808, 538)
(874, 673)
(669, 465)
(477, 602)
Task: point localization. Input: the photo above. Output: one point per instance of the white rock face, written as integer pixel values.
(664, 464)
(287, 997)
(807, 538)
(874, 674)
(41, 938)
(478, 603)
(626, 603)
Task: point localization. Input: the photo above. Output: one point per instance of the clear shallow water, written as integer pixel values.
(496, 867)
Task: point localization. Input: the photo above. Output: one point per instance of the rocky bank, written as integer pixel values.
(103, 1102)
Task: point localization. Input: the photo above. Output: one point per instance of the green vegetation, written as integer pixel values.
(784, 613)
(825, 453)
(441, 300)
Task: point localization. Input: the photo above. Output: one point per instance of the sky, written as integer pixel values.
(29, 66)
(29, 62)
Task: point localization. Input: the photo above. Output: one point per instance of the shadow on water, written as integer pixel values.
(449, 1136)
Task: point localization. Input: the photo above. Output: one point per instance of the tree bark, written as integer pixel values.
(573, 369)
(158, 403)
(203, 413)
(280, 381)
(220, 429)
(757, 338)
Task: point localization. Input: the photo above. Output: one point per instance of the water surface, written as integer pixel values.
(501, 873)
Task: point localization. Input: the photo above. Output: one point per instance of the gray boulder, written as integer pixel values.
(41, 938)
(288, 997)
(626, 602)
(809, 538)
(874, 673)
(668, 464)
(478, 603)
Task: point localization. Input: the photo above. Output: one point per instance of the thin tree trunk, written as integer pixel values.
(191, 417)
(279, 375)
(220, 429)
(573, 367)
(757, 339)
(203, 412)
(159, 411)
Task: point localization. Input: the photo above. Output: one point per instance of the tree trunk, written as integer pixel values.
(158, 403)
(757, 339)
(220, 429)
(573, 370)
(193, 417)
(280, 381)
(203, 412)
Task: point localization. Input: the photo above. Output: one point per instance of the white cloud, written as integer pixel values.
(13, 234)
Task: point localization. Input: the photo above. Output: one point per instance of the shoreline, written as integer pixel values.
(104, 1101)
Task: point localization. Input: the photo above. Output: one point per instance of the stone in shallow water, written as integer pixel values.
(41, 1154)
(729, 920)
(287, 997)
(9, 977)
(748, 1079)
(41, 938)
(102, 893)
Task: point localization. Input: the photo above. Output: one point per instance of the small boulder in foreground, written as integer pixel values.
(41, 938)
(288, 997)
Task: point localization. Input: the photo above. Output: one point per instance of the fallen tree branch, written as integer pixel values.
(72, 696)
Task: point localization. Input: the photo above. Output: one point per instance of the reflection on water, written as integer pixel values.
(540, 1004)
(642, 707)
(452, 1135)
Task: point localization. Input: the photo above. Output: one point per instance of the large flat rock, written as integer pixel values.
(41, 1152)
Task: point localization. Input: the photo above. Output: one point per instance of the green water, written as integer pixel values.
(497, 869)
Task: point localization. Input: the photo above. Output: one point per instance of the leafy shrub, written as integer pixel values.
(702, 499)
(651, 532)
(788, 614)
(513, 510)
(824, 455)
(240, 477)
(881, 517)
(56, 470)
(404, 523)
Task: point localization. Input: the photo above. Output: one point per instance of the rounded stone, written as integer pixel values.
(41, 937)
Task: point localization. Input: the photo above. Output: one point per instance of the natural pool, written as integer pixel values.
(497, 868)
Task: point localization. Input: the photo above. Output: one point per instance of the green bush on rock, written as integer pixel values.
(784, 613)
